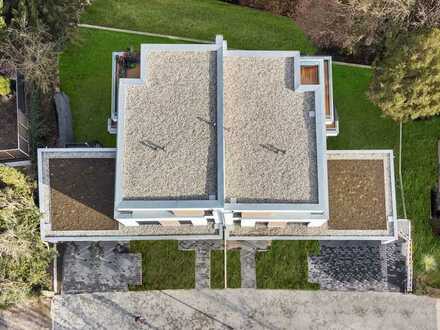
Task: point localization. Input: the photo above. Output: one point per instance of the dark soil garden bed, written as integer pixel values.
(357, 195)
(82, 193)
(8, 124)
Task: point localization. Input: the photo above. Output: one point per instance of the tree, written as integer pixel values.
(36, 31)
(24, 258)
(406, 80)
(425, 14)
(28, 52)
(361, 27)
(54, 17)
(371, 20)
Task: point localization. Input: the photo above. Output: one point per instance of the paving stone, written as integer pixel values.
(188, 245)
(203, 268)
(248, 267)
(99, 267)
(358, 265)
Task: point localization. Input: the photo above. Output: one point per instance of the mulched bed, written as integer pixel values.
(82, 193)
(357, 195)
(8, 124)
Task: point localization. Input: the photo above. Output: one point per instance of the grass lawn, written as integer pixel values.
(164, 266)
(85, 69)
(284, 266)
(218, 266)
(201, 19)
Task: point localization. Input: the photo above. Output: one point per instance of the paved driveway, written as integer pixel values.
(245, 309)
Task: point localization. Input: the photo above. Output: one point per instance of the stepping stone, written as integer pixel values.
(248, 267)
(203, 268)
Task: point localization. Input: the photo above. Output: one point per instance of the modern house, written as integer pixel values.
(216, 143)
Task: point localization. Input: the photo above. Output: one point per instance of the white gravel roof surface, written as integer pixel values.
(174, 112)
(270, 140)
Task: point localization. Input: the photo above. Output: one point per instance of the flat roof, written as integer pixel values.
(360, 190)
(82, 193)
(170, 138)
(270, 132)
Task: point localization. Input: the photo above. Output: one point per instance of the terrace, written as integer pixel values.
(311, 75)
(124, 65)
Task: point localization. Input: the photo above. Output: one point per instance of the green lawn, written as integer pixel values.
(164, 266)
(242, 27)
(218, 266)
(284, 266)
(85, 69)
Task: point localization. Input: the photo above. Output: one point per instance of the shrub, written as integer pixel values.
(356, 27)
(324, 21)
(2, 20)
(406, 81)
(278, 7)
(38, 123)
(425, 14)
(5, 86)
(24, 258)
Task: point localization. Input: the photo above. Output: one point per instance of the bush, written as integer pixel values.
(278, 7)
(39, 130)
(5, 86)
(406, 81)
(2, 20)
(24, 258)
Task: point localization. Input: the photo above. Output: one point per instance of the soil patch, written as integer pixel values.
(8, 124)
(357, 194)
(82, 193)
